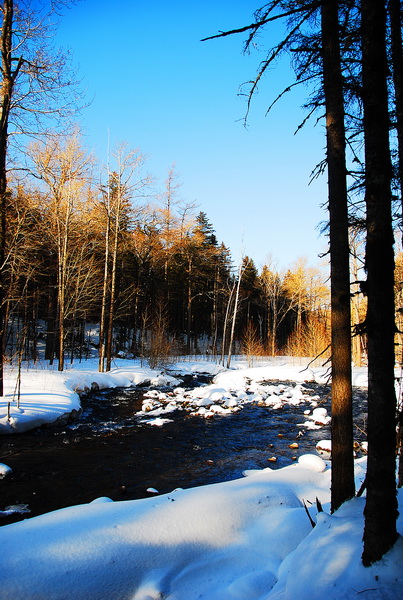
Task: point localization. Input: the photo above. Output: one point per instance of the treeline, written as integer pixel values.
(147, 268)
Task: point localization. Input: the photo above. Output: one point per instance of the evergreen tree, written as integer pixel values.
(381, 504)
(343, 486)
(364, 60)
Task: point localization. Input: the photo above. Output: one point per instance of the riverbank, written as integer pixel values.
(47, 395)
(245, 539)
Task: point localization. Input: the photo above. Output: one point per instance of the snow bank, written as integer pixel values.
(330, 558)
(248, 539)
(48, 395)
(187, 544)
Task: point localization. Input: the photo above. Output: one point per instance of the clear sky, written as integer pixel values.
(153, 84)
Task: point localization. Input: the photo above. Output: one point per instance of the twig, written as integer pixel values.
(312, 522)
(316, 357)
(362, 488)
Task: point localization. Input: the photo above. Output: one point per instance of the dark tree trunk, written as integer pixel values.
(343, 487)
(397, 65)
(381, 505)
(7, 85)
(400, 449)
(50, 345)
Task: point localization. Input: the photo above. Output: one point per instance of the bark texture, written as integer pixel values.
(343, 487)
(381, 506)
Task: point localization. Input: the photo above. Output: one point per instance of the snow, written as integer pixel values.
(312, 462)
(247, 539)
(324, 445)
(4, 470)
(48, 395)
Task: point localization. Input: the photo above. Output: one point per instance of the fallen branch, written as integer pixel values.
(312, 522)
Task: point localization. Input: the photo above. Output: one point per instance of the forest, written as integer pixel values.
(149, 270)
(82, 245)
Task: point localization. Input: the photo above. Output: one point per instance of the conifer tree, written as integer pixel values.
(381, 503)
(343, 487)
(364, 58)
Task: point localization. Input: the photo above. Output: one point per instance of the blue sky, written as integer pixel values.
(155, 85)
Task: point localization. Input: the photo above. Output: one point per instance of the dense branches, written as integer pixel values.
(36, 87)
(80, 252)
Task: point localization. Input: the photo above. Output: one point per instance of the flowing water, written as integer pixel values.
(108, 452)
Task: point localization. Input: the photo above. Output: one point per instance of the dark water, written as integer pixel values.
(109, 453)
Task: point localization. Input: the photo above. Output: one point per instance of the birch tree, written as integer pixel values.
(125, 182)
(241, 269)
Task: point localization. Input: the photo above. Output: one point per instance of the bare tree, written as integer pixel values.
(35, 85)
(251, 344)
(272, 284)
(241, 269)
(358, 303)
(63, 166)
(124, 183)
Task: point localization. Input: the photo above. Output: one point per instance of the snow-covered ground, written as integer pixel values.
(248, 539)
(47, 395)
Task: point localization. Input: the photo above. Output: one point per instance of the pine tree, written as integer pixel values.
(381, 503)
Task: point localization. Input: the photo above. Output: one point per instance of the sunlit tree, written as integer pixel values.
(36, 86)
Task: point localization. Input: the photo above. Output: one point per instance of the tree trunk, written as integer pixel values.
(6, 91)
(63, 216)
(343, 486)
(102, 323)
(109, 335)
(225, 324)
(214, 314)
(231, 341)
(189, 308)
(50, 325)
(397, 66)
(274, 327)
(60, 314)
(381, 505)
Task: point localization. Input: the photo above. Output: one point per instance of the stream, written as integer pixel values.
(109, 452)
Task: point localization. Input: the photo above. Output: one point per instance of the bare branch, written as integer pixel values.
(260, 23)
